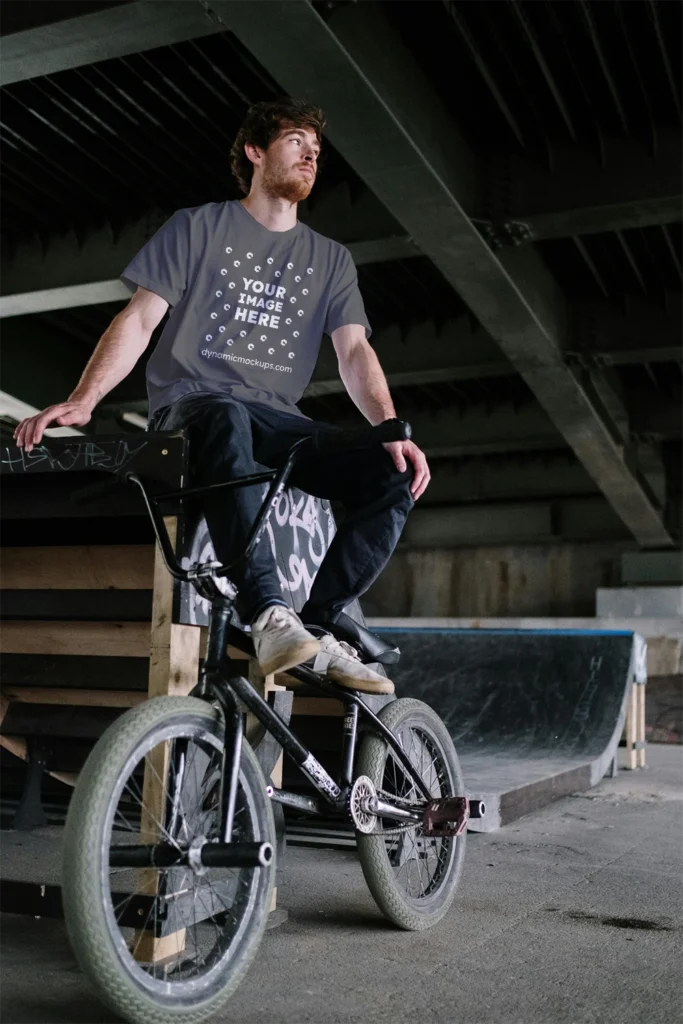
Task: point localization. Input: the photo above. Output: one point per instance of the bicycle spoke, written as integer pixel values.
(197, 916)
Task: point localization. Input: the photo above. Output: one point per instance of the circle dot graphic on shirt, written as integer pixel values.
(229, 341)
(300, 312)
(243, 334)
(250, 347)
(226, 306)
(296, 334)
(304, 291)
(257, 269)
(250, 255)
(231, 285)
(293, 299)
(309, 270)
(221, 330)
(288, 320)
(278, 274)
(264, 337)
(228, 249)
(270, 259)
(219, 295)
(297, 278)
(214, 316)
(284, 341)
(208, 337)
(270, 351)
(223, 271)
(291, 355)
(290, 266)
(236, 263)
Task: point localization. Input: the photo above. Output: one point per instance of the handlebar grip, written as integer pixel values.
(362, 437)
(86, 495)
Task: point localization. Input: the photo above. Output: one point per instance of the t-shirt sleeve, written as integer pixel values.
(162, 265)
(346, 302)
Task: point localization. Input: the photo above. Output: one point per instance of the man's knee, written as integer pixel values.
(397, 483)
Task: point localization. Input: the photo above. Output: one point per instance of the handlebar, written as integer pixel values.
(362, 437)
(332, 440)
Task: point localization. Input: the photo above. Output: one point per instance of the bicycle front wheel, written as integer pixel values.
(412, 877)
(163, 945)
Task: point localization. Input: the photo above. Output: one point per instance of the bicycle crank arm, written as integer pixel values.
(384, 810)
(199, 856)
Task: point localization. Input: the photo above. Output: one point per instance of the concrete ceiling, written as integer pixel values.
(514, 211)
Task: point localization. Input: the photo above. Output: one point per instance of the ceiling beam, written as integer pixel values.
(424, 353)
(533, 522)
(449, 433)
(626, 186)
(101, 35)
(639, 332)
(536, 475)
(410, 154)
(12, 408)
(82, 271)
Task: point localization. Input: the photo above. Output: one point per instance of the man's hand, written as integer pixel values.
(66, 414)
(402, 450)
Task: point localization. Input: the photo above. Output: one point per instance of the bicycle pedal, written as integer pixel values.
(446, 817)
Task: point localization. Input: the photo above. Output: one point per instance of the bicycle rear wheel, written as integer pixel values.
(163, 945)
(412, 877)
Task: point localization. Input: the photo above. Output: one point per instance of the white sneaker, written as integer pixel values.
(280, 640)
(341, 662)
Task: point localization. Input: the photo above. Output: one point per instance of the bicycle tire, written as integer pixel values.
(88, 910)
(403, 909)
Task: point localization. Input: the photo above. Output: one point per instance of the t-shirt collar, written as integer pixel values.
(255, 225)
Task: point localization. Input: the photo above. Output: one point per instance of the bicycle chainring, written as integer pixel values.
(362, 791)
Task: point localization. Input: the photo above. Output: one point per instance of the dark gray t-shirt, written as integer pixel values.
(249, 305)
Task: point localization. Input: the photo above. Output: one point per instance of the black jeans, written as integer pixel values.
(229, 439)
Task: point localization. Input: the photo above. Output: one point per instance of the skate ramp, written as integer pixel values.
(534, 714)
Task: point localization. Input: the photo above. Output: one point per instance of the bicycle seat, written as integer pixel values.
(370, 646)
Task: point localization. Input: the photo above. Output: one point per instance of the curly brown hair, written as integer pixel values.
(261, 126)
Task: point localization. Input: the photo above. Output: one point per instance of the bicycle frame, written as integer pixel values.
(218, 683)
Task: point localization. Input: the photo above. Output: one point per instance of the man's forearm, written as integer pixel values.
(117, 352)
(365, 382)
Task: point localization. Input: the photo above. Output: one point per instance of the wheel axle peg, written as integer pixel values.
(477, 808)
(446, 817)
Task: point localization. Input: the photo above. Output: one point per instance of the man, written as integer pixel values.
(252, 291)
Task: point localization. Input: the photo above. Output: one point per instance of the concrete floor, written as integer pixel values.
(571, 915)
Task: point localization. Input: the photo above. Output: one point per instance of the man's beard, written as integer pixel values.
(293, 187)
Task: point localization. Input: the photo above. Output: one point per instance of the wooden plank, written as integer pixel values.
(631, 725)
(77, 698)
(106, 639)
(121, 567)
(640, 698)
(173, 669)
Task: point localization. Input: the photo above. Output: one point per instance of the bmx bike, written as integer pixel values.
(168, 858)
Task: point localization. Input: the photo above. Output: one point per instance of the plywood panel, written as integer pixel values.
(123, 567)
(105, 639)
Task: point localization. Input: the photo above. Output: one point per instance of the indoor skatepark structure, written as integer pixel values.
(535, 714)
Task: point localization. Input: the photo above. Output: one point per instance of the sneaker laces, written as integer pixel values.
(279, 618)
(340, 647)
